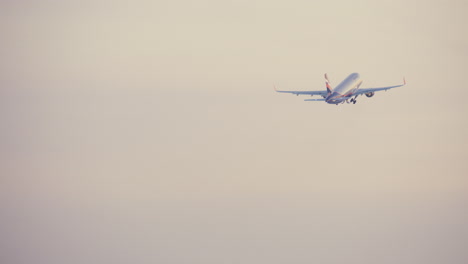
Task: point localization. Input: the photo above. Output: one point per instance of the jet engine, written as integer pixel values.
(369, 94)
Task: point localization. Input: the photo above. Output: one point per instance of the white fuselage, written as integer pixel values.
(344, 90)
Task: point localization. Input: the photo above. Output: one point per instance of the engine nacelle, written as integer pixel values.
(369, 94)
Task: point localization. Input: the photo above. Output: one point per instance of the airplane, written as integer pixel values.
(347, 91)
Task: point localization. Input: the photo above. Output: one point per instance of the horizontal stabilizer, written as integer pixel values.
(323, 99)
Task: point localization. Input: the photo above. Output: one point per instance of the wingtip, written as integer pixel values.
(404, 80)
(274, 87)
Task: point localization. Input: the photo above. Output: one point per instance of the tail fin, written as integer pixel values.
(327, 83)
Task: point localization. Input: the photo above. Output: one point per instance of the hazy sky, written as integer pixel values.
(149, 132)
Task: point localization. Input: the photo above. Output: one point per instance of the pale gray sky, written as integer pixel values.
(149, 132)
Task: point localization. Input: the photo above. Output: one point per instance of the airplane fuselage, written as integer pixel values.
(344, 90)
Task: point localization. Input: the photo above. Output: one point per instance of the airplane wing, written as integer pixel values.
(324, 92)
(370, 90)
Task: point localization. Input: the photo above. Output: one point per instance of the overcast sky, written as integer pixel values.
(149, 132)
